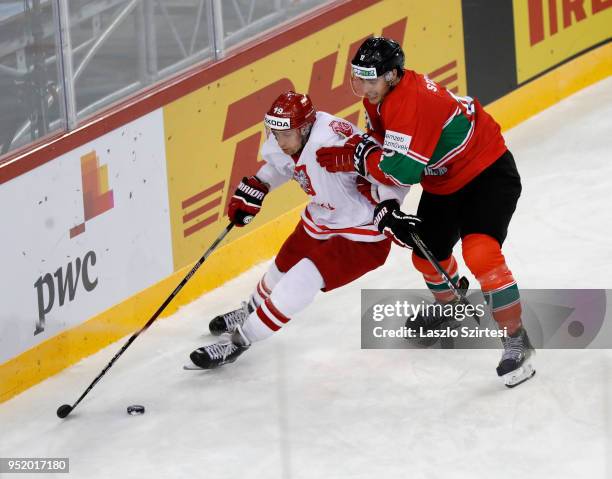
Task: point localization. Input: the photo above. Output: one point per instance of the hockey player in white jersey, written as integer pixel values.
(334, 243)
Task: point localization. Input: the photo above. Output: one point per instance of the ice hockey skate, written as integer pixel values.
(225, 351)
(515, 365)
(227, 322)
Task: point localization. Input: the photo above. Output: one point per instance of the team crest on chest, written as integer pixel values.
(342, 128)
(301, 176)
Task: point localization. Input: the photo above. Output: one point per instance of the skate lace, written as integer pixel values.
(220, 350)
(236, 317)
(514, 348)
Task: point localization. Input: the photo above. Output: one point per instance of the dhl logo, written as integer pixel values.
(570, 12)
(207, 212)
(246, 112)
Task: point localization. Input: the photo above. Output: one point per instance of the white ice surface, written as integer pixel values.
(309, 403)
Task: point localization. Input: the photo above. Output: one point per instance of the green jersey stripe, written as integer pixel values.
(454, 136)
(403, 170)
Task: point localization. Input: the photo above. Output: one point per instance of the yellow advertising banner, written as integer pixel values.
(213, 134)
(548, 32)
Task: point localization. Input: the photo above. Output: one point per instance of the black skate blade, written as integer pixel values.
(193, 367)
(519, 375)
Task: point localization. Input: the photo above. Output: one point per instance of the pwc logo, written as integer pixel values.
(62, 284)
(97, 198)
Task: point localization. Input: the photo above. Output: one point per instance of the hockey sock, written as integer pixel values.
(435, 282)
(484, 258)
(265, 285)
(295, 290)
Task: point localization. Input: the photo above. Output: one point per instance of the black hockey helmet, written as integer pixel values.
(377, 56)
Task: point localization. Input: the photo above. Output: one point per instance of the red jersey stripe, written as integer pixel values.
(264, 294)
(277, 314)
(320, 229)
(266, 320)
(265, 286)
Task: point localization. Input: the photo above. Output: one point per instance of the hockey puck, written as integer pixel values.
(135, 410)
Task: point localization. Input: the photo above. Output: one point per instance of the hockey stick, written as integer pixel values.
(458, 289)
(66, 409)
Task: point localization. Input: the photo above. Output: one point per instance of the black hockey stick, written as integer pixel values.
(66, 409)
(458, 289)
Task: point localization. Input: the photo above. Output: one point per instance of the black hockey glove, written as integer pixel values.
(247, 200)
(390, 220)
(363, 149)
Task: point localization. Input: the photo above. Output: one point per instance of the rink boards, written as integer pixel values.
(102, 223)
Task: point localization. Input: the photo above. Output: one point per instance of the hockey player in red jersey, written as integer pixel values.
(334, 243)
(419, 132)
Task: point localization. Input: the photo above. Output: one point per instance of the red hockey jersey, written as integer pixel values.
(431, 136)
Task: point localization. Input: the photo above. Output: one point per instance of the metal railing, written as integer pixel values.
(63, 60)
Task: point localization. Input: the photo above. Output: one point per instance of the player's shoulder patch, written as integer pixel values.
(342, 128)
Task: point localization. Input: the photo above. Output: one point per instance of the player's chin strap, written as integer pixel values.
(459, 289)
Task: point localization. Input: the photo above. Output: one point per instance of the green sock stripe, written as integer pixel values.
(503, 297)
(437, 287)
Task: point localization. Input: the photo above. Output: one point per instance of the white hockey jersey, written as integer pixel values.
(336, 206)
